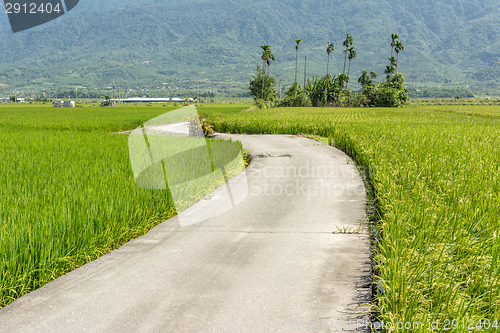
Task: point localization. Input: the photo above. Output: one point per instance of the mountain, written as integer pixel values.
(145, 43)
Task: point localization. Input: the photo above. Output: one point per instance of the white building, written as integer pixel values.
(64, 104)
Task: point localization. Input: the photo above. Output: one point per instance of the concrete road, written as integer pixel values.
(293, 256)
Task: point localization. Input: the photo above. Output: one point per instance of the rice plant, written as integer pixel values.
(434, 170)
(67, 191)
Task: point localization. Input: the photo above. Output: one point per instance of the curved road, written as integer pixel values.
(293, 256)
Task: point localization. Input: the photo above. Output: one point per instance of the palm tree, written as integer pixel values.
(342, 79)
(267, 57)
(393, 61)
(265, 53)
(393, 43)
(347, 43)
(389, 70)
(305, 71)
(351, 55)
(367, 79)
(297, 47)
(398, 47)
(330, 48)
(364, 80)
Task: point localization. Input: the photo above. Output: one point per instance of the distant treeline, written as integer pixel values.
(73, 94)
(441, 93)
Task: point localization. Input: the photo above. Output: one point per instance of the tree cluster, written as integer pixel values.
(332, 90)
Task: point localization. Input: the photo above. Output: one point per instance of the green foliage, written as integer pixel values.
(208, 130)
(296, 96)
(262, 104)
(67, 190)
(214, 109)
(355, 100)
(387, 97)
(389, 93)
(262, 86)
(325, 91)
(392, 93)
(434, 170)
(441, 92)
(328, 91)
(368, 93)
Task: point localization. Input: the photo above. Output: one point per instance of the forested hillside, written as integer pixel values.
(448, 43)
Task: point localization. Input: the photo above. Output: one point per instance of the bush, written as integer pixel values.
(391, 93)
(262, 87)
(263, 104)
(325, 91)
(356, 100)
(387, 96)
(296, 97)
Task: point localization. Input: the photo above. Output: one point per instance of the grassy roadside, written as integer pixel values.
(435, 174)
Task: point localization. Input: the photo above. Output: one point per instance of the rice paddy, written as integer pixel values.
(434, 171)
(67, 191)
(68, 195)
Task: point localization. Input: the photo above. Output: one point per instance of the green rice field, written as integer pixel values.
(68, 195)
(67, 191)
(435, 174)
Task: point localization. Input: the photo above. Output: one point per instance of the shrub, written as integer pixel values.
(263, 104)
(387, 96)
(262, 87)
(324, 91)
(296, 97)
(392, 92)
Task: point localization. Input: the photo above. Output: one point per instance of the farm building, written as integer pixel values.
(64, 104)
